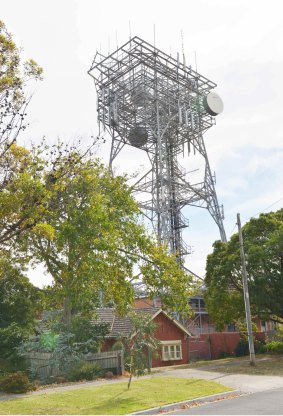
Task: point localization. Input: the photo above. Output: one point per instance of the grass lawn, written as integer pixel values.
(113, 398)
(266, 364)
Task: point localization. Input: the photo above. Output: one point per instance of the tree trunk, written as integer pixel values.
(67, 312)
(131, 372)
(130, 379)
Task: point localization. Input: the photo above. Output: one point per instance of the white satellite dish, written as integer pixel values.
(213, 104)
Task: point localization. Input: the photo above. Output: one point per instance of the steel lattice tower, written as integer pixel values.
(149, 100)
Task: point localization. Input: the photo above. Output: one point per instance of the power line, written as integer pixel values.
(274, 203)
(260, 212)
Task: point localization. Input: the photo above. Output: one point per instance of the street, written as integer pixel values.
(269, 402)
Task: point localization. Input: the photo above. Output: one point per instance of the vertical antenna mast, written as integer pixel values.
(151, 101)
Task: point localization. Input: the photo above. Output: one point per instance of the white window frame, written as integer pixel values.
(171, 350)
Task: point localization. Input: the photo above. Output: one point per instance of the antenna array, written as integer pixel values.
(149, 100)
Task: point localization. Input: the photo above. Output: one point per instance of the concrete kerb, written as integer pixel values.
(188, 403)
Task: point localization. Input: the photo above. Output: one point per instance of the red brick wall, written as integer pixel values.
(211, 346)
(146, 303)
(223, 342)
(199, 348)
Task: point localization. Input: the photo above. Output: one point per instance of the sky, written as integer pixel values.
(236, 44)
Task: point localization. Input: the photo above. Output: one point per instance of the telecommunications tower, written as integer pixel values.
(149, 100)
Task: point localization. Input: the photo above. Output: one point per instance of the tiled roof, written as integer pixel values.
(119, 326)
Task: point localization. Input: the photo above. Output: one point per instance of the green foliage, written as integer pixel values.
(13, 80)
(23, 195)
(16, 383)
(65, 348)
(242, 328)
(95, 242)
(66, 211)
(263, 241)
(49, 340)
(276, 334)
(63, 352)
(83, 371)
(19, 299)
(223, 354)
(19, 302)
(275, 347)
(61, 208)
(139, 345)
(242, 348)
(11, 338)
(88, 336)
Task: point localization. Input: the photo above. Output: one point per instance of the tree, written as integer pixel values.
(13, 79)
(18, 178)
(27, 181)
(19, 302)
(94, 242)
(23, 193)
(18, 297)
(139, 345)
(263, 240)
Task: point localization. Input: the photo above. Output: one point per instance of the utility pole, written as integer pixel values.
(246, 295)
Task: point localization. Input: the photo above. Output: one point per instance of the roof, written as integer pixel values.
(123, 326)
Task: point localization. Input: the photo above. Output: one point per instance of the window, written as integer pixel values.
(171, 350)
(231, 328)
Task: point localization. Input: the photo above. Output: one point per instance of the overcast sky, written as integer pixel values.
(238, 45)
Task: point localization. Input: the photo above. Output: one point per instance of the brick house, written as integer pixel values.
(200, 322)
(173, 336)
(205, 342)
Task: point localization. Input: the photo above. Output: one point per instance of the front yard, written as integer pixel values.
(114, 398)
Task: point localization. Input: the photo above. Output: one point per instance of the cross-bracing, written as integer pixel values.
(149, 100)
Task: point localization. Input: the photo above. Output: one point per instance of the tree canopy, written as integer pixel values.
(20, 186)
(13, 79)
(18, 297)
(19, 303)
(263, 242)
(22, 194)
(91, 240)
(61, 208)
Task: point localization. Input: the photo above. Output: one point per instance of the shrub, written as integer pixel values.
(10, 339)
(60, 379)
(275, 347)
(109, 374)
(259, 346)
(223, 354)
(242, 348)
(16, 383)
(83, 371)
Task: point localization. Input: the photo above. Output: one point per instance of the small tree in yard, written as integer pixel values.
(140, 345)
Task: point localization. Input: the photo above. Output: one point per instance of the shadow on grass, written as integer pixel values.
(114, 406)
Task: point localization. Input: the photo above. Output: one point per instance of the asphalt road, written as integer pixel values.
(269, 402)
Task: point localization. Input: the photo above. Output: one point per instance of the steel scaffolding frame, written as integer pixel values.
(149, 100)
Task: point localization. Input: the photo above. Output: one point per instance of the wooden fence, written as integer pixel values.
(110, 360)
